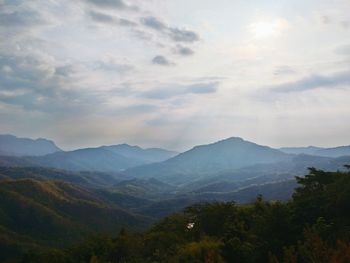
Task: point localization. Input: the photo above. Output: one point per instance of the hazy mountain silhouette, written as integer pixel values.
(318, 151)
(27, 152)
(201, 162)
(149, 155)
(89, 159)
(228, 154)
(13, 146)
(300, 150)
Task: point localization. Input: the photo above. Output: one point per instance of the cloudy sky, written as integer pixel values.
(175, 73)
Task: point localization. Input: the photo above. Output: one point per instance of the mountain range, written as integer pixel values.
(204, 160)
(49, 195)
(318, 151)
(233, 159)
(170, 166)
(115, 158)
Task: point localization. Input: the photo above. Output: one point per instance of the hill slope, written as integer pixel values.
(89, 179)
(146, 188)
(56, 213)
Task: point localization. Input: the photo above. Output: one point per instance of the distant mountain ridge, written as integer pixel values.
(168, 166)
(13, 146)
(88, 159)
(232, 153)
(27, 152)
(149, 155)
(101, 159)
(319, 151)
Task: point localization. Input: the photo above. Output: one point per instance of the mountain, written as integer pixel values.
(88, 179)
(149, 188)
(150, 155)
(89, 159)
(52, 213)
(334, 152)
(13, 146)
(111, 189)
(312, 150)
(265, 173)
(104, 159)
(205, 160)
(313, 225)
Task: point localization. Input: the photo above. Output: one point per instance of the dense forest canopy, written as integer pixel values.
(314, 226)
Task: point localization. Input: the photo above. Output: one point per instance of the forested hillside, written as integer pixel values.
(314, 226)
(45, 214)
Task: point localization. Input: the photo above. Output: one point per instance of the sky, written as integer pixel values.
(176, 73)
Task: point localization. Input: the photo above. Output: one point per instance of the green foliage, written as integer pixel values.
(90, 179)
(44, 214)
(205, 250)
(312, 227)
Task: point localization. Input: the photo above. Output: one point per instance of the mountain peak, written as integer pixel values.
(126, 145)
(222, 156)
(233, 139)
(14, 146)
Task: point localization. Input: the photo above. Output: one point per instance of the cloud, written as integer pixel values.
(115, 4)
(314, 82)
(343, 50)
(20, 18)
(111, 65)
(36, 83)
(272, 28)
(345, 24)
(134, 109)
(125, 22)
(162, 61)
(326, 19)
(108, 19)
(202, 88)
(283, 70)
(100, 17)
(177, 90)
(153, 23)
(183, 35)
(183, 51)
(174, 33)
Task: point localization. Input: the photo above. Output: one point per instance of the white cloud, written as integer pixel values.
(73, 68)
(268, 28)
